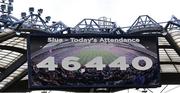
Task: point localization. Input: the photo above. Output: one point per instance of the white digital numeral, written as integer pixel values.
(48, 63)
(119, 63)
(148, 63)
(97, 63)
(70, 63)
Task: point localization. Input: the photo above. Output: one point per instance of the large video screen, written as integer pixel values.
(93, 61)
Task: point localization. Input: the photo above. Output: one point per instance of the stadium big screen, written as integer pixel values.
(93, 61)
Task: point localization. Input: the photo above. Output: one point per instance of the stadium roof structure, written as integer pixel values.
(14, 32)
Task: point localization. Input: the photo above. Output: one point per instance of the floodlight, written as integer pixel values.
(10, 8)
(48, 18)
(23, 15)
(3, 7)
(31, 9)
(40, 11)
(11, 0)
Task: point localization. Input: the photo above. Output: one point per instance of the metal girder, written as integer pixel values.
(172, 25)
(5, 36)
(174, 19)
(165, 46)
(170, 78)
(11, 48)
(146, 24)
(169, 26)
(7, 21)
(35, 22)
(58, 27)
(173, 43)
(95, 26)
(170, 62)
(13, 85)
(14, 66)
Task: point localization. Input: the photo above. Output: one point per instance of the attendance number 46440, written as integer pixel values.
(71, 63)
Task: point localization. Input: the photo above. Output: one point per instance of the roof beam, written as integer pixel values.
(170, 78)
(172, 43)
(165, 46)
(13, 67)
(12, 83)
(144, 23)
(170, 63)
(16, 49)
(7, 36)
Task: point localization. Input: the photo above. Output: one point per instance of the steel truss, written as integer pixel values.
(6, 19)
(35, 23)
(144, 25)
(96, 26)
(58, 27)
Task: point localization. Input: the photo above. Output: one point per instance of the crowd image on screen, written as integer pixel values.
(94, 78)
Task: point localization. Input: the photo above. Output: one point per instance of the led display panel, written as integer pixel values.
(93, 61)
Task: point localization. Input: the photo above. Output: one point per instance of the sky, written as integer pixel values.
(123, 12)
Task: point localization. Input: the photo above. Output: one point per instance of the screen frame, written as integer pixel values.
(87, 36)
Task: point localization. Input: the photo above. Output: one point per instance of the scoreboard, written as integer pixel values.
(93, 61)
